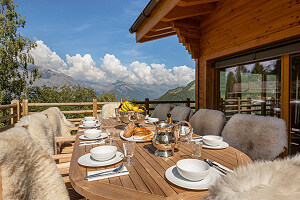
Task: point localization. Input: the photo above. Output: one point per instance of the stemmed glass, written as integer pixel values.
(111, 134)
(129, 147)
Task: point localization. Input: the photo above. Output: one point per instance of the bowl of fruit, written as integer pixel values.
(131, 113)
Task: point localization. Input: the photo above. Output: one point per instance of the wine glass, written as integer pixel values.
(129, 147)
(111, 134)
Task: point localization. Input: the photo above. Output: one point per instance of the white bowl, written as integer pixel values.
(89, 123)
(89, 118)
(212, 140)
(152, 120)
(103, 153)
(192, 169)
(92, 133)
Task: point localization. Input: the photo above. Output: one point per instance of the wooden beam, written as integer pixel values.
(184, 12)
(160, 32)
(145, 39)
(161, 25)
(158, 13)
(187, 23)
(185, 3)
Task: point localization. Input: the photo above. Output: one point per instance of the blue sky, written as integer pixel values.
(97, 28)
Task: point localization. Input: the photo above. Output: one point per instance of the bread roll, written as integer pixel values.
(129, 130)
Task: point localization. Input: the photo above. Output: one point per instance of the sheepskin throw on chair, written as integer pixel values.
(208, 122)
(59, 123)
(40, 129)
(161, 111)
(265, 180)
(260, 137)
(181, 113)
(27, 171)
(108, 109)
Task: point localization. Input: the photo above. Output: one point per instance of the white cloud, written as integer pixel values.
(84, 68)
(43, 56)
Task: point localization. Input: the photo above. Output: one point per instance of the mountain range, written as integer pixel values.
(180, 93)
(121, 89)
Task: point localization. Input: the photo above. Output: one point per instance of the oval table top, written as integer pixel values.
(147, 178)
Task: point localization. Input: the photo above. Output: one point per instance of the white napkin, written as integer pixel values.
(91, 143)
(124, 172)
(222, 166)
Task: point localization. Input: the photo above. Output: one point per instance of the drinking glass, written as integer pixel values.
(111, 134)
(196, 146)
(129, 147)
(100, 118)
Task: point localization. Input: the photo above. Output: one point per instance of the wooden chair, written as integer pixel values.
(260, 137)
(208, 122)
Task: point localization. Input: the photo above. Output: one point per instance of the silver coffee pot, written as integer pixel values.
(166, 138)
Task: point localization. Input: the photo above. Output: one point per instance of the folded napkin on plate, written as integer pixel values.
(91, 143)
(124, 172)
(222, 166)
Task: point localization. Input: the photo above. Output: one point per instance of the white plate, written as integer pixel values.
(83, 137)
(84, 126)
(174, 177)
(87, 161)
(223, 145)
(134, 140)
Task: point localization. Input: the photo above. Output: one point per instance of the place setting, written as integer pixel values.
(211, 141)
(89, 122)
(194, 173)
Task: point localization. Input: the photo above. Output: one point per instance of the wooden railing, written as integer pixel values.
(16, 107)
(246, 106)
(147, 103)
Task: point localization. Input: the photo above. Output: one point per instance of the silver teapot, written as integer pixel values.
(166, 138)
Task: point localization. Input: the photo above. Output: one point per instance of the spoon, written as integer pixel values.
(91, 142)
(114, 171)
(215, 166)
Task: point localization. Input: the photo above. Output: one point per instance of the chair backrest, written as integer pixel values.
(27, 171)
(161, 111)
(58, 121)
(260, 137)
(40, 129)
(181, 113)
(208, 122)
(108, 109)
(269, 180)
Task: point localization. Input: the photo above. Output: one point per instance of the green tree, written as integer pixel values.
(14, 52)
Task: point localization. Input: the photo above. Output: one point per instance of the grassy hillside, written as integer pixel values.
(180, 93)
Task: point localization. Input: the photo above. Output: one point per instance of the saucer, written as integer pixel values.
(83, 137)
(87, 161)
(84, 126)
(223, 145)
(174, 177)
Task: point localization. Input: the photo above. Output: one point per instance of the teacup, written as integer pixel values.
(89, 123)
(89, 118)
(212, 140)
(92, 133)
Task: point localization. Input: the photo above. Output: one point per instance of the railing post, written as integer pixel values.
(147, 104)
(264, 108)
(25, 107)
(239, 105)
(249, 105)
(15, 110)
(95, 108)
(188, 102)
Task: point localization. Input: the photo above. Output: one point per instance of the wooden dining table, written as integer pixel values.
(147, 176)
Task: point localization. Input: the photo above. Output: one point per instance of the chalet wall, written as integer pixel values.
(237, 26)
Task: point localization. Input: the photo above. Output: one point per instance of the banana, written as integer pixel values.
(129, 106)
(136, 109)
(124, 108)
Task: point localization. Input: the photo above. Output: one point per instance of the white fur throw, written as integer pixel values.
(261, 138)
(208, 122)
(161, 111)
(181, 113)
(40, 129)
(58, 121)
(270, 180)
(108, 109)
(27, 171)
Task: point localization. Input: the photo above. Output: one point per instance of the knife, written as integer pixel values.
(104, 174)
